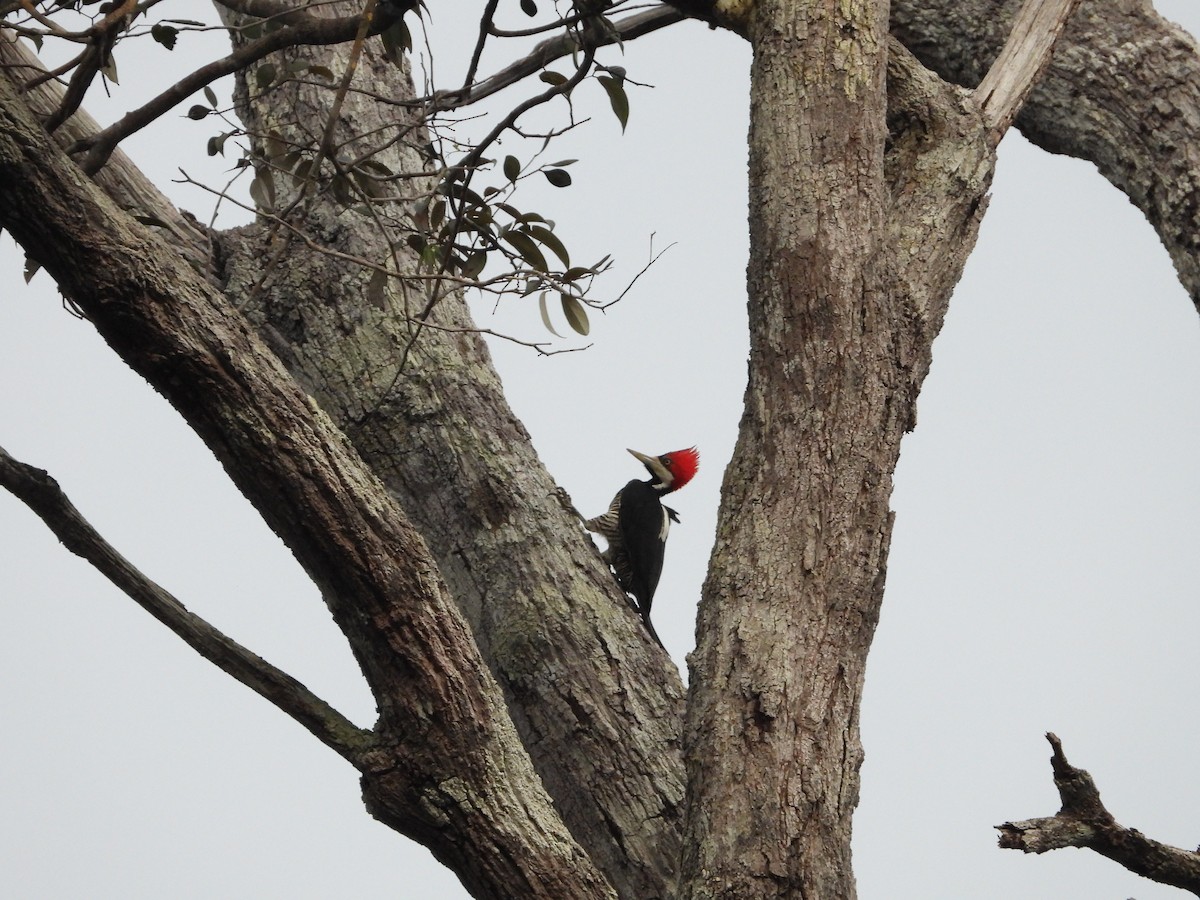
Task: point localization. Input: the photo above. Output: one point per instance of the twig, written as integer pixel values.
(309, 30)
(654, 257)
(485, 27)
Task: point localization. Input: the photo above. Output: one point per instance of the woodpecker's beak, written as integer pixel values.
(654, 465)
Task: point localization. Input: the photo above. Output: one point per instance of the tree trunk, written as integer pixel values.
(854, 254)
(446, 764)
(862, 214)
(598, 704)
(796, 577)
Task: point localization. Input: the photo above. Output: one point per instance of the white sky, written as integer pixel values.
(1042, 574)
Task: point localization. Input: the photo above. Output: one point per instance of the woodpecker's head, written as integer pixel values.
(671, 471)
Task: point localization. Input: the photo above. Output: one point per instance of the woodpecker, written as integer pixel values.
(637, 523)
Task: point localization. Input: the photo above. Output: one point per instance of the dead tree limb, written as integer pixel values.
(1083, 821)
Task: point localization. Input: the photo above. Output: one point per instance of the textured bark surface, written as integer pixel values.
(1084, 821)
(447, 765)
(859, 233)
(795, 579)
(852, 266)
(1122, 92)
(598, 704)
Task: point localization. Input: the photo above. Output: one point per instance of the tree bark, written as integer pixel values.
(864, 207)
(1084, 821)
(1123, 91)
(597, 703)
(447, 766)
(795, 580)
(859, 232)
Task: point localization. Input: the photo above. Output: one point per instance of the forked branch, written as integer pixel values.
(1083, 821)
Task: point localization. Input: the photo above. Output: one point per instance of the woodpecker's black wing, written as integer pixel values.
(644, 523)
(635, 526)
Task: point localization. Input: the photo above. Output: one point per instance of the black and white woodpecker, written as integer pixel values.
(637, 523)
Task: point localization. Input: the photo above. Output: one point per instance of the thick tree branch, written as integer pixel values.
(597, 704)
(1084, 821)
(599, 711)
(450, 768)
(41, 493)
(120, 179)
(1122, 91)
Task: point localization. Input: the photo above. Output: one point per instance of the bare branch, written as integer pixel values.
(485, 28)
(309, 30)
(41, 493)
(1083, 821)
(551, 49)
(1025, 56)
(94, 59)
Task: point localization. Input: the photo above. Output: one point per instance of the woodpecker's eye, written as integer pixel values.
(666, 461)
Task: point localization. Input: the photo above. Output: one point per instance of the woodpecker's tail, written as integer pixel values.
(653, 633)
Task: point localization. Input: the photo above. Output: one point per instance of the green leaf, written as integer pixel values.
(512, 168)
(549, 239)
(375, 167)
(343, 190)
(576, 272)
(300, 172)
(366, 184)
(109, 70)
(529, 8)
(210, 96)
(165, 35)
(529, 251)
(262, 189)
(474, 264)
(557, 177)
(510, 209)
(198, 112)
(617, 98)
(546, 314)
(576, 315)
(264, 75)
(216, 144)
(553, 78)
(321, 72)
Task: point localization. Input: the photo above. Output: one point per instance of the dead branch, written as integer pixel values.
(1084, 821)
(1025, 56)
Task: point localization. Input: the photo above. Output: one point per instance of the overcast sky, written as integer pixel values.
(1042, 575)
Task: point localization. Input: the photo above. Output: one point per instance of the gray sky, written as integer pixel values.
(1042, 574)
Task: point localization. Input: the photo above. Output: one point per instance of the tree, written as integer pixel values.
(509, 636)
